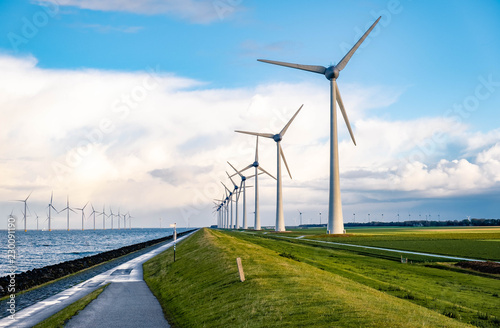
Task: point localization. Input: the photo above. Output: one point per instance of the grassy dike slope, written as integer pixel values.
(202, 289)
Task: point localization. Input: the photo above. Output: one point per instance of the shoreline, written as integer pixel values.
(42, 290)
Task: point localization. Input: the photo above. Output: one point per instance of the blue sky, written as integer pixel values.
(424, 71)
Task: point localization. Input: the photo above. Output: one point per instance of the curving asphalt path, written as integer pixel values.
(126, 302)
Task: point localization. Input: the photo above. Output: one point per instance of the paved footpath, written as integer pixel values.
(126, 302)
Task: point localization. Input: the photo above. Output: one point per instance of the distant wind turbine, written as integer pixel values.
(51, 207)
(68, 209)
(280, 220)
(237, 192)
(103, 213)
(335, 218)
(36, 220)
(111, 215)
(230, 199)
(93, 213)
(25, 201)
(257, 167)
(83, 214)
(242, 188)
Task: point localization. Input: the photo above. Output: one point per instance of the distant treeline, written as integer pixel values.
(425, 223)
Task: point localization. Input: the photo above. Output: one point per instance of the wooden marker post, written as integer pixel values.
(240, 269)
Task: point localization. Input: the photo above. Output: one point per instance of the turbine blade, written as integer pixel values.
(234, 184)
(284, 161)
(246, 168)
(235, 169)
(344, 113)
(282, 133)
(266, 135)
(225, 186)
(260, 168)
(257, 150)
(341, 65)
(309, 68)
(28, 196)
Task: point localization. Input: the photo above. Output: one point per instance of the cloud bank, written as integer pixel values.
(157, 144)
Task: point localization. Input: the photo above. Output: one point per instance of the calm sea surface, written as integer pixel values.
(36, 249)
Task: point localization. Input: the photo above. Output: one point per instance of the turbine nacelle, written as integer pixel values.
(255, 164)
(277, 137)
(332, 72)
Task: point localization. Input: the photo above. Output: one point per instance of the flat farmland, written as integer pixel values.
(471, 242)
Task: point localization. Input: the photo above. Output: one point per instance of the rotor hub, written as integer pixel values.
(332, 73)
(255, 164)
(243, 178)
(277, 137)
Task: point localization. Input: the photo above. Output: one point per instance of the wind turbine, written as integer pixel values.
(230, 199)
(111, 215)
(236, 191)
(124, 221)
(25, 201)
(51, 207)
(103, 213)
(36, 221)
(257, 167)
(335, 218)
(93, 212)
(68, 209)
(280, 220)
(83, 214)
(242, 186)
(300, 213)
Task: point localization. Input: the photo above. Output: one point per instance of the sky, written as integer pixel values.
(132, 105)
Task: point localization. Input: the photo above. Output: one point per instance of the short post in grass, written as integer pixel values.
(240, 269)
(174, 225)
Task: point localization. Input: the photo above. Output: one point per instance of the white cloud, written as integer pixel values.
(153, 143)
(196, 11)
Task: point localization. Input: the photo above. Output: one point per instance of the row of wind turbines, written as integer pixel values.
(50, 207)
(335, 216)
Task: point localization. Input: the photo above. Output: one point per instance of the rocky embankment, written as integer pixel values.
(35, 277)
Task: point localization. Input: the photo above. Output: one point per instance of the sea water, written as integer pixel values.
(36, 249)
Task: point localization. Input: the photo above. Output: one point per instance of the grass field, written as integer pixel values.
(471, 242)
(295, 284)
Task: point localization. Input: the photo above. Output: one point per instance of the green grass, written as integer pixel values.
(302, 287)
(62, 317)
(433, 286)
(470, 242)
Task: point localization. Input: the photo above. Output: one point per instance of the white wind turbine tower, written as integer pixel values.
(83, 214)
(230, 200)
(236, 192)
(280, 220)
(51, 207)
(124, 221)
(243, 187)
(25, 201)
(111, 216)
(93, 212)
(103, 213)
(67, 215)
(36, 220)
(335, 218)
(257, 167)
